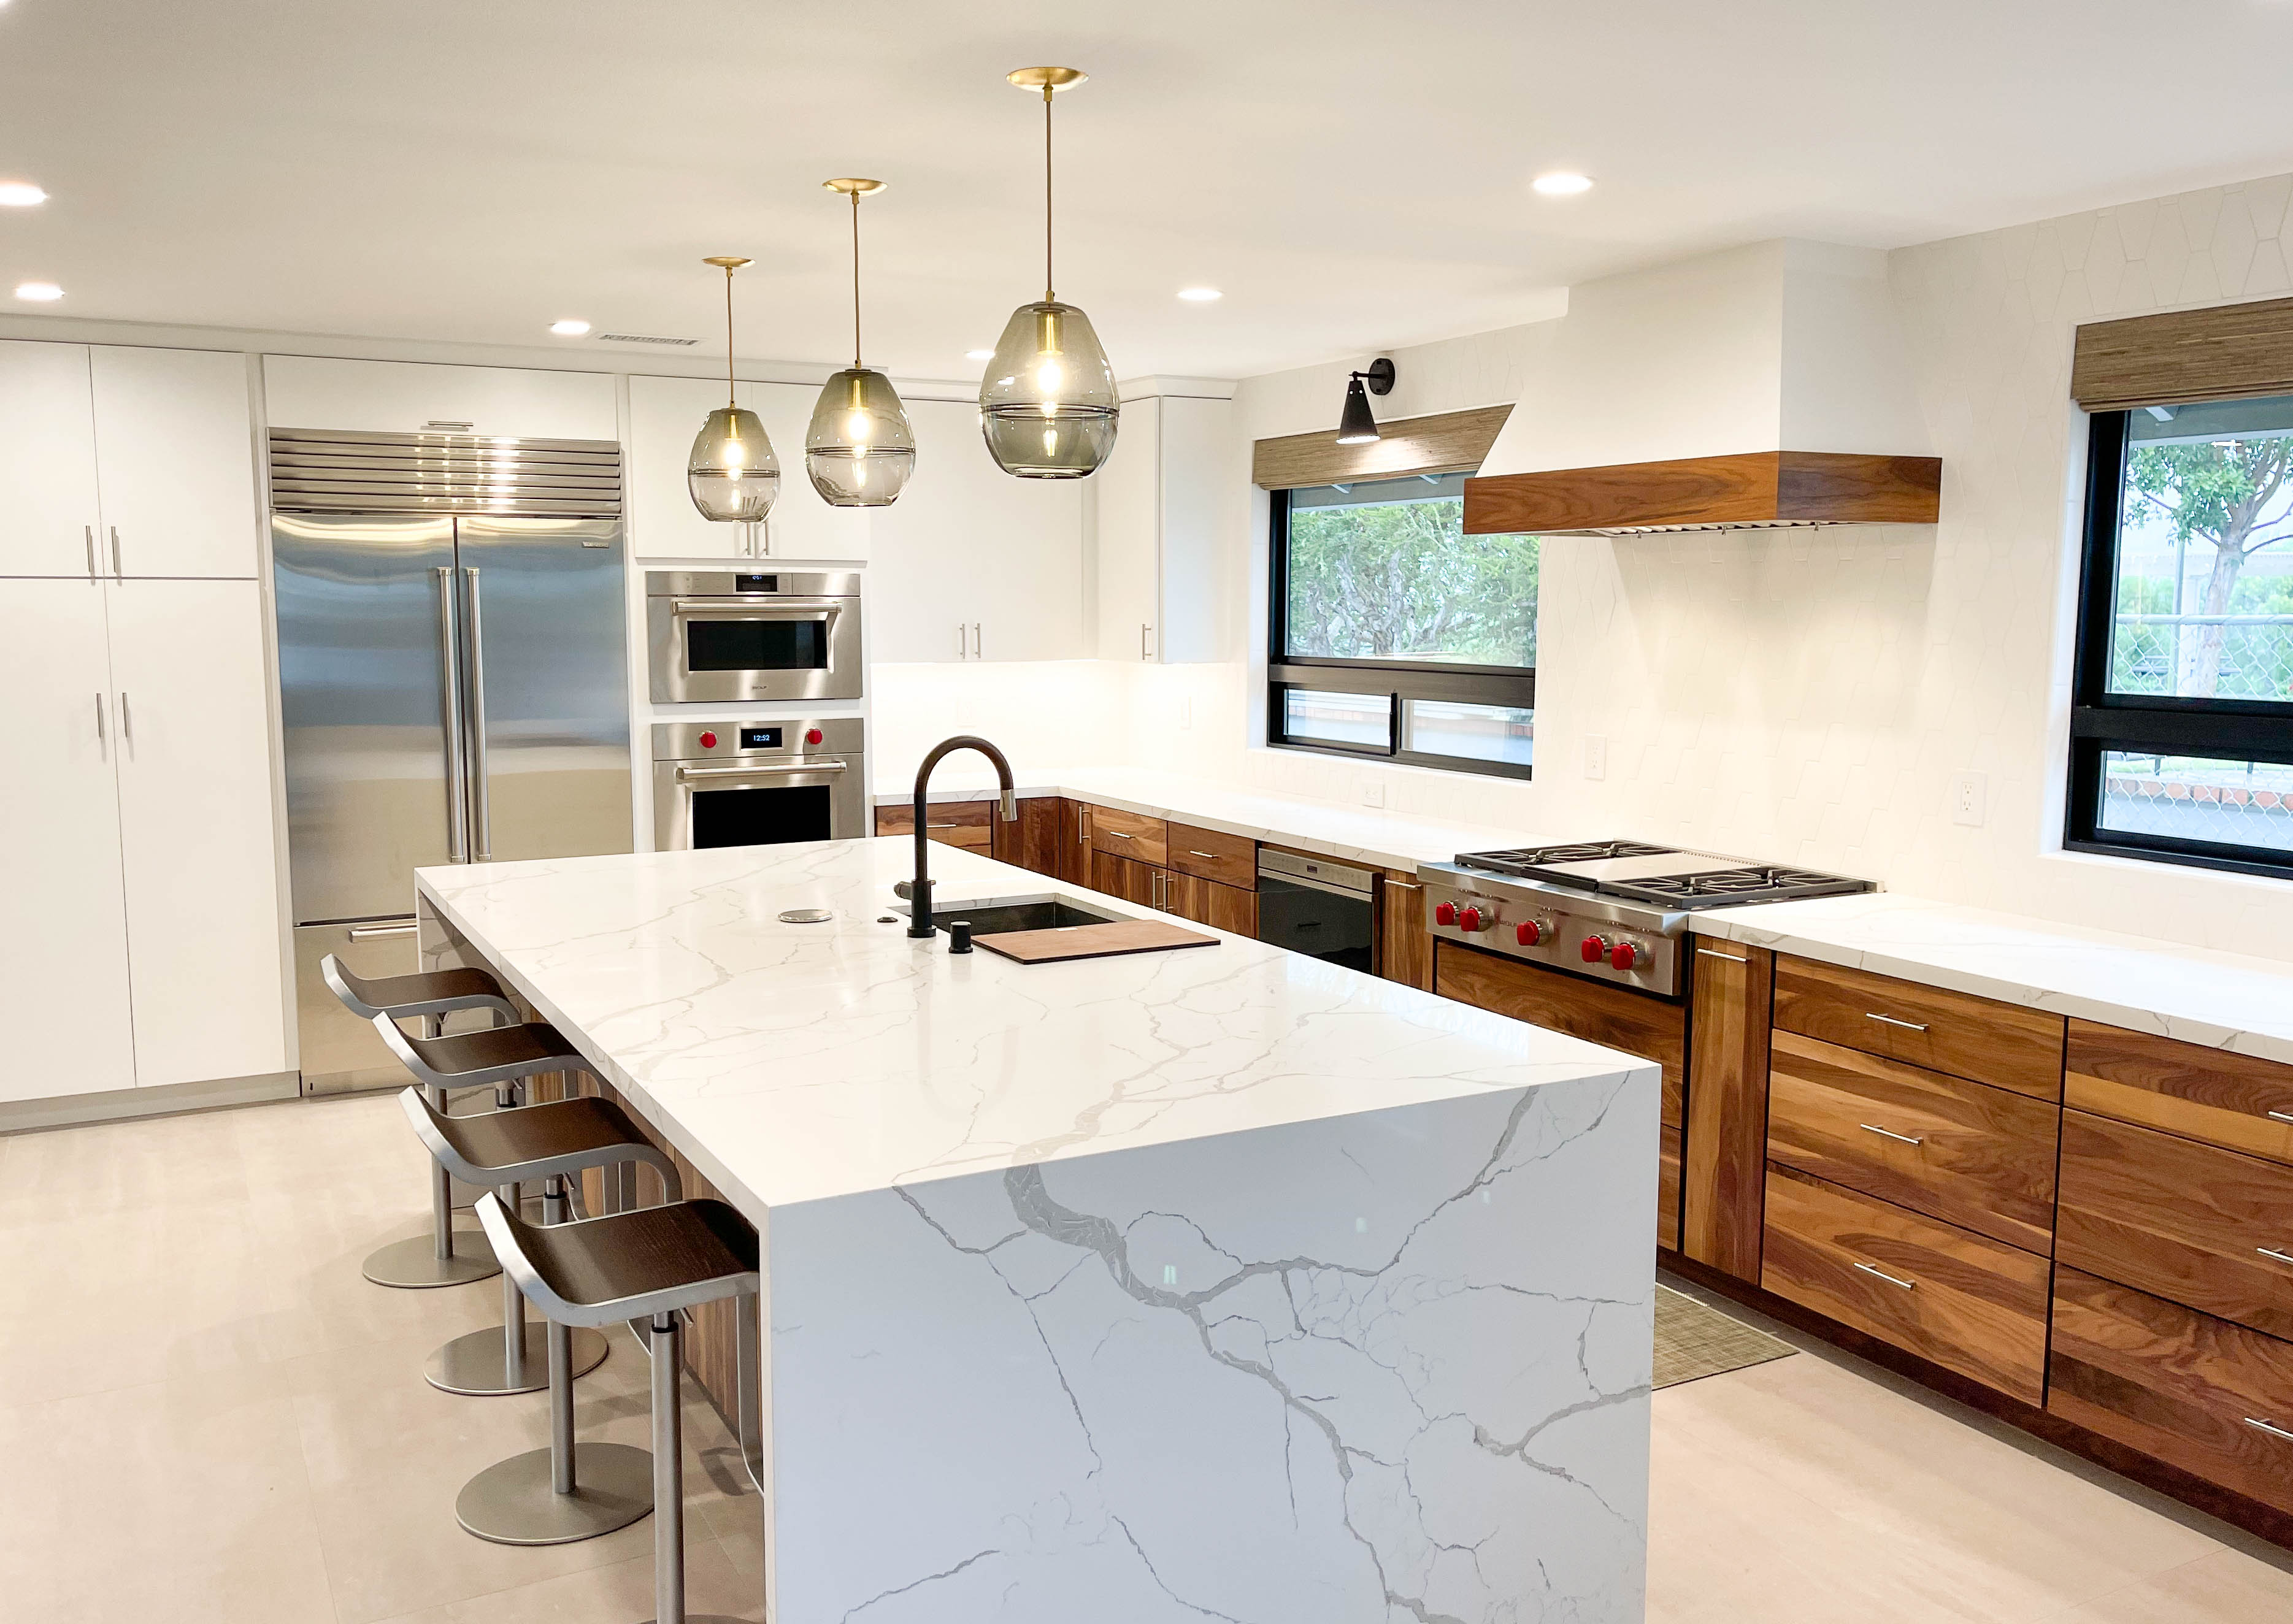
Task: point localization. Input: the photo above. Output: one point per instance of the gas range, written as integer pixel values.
(1613, 909)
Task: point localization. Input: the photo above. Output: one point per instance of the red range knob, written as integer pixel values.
(1470, 919)
(1624, 955)
(1526, 933)
(1594, 950)
(812, 735)
(1445, 913)
(707, 741)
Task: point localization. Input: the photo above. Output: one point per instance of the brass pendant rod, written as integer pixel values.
(1049, 297)
(856, 280)
(732, 389)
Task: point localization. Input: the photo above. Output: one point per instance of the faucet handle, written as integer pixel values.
(905, 890)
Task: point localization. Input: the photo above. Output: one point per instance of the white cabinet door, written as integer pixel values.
(63, 956)
(664, 415)
(197, 832)
(312, 391)
(1130, 537)
(175, 460)
(968, 546)
(48, 509)
(1203, 482)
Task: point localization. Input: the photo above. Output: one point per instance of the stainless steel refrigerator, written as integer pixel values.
(453, 687)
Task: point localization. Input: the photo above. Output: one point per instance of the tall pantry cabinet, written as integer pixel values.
(138, 844)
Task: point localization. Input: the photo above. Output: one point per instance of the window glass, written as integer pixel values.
(1354, 721)
(1476, 733)
(1383, 570)
(2197, 798)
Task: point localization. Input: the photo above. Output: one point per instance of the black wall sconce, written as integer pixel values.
(1356, 427)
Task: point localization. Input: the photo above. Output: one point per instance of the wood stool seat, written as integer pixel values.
(496, 1055)
(428, 993)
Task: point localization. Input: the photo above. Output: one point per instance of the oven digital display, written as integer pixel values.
(755, 583)
(760, 739)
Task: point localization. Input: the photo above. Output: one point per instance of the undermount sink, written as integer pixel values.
(1028, 914)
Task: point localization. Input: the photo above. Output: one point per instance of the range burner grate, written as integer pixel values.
(1725, 886)
(1526, 859)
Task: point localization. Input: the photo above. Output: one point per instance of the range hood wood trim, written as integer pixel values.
(1709, 492)
(1443, 442)
(2220, 353)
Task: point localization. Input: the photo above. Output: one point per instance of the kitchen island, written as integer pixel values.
(1214, 1283)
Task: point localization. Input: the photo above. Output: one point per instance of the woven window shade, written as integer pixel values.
(2223, 352)
(1446, 442)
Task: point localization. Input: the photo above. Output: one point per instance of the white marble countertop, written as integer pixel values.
(1361, 834)
(795, 1063)
(2224, 1000)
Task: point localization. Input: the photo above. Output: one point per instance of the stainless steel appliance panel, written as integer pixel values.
(340, 1053)
(1317, 907)
(367, 646)
(719, 636)
(545, 672)
(750, 781)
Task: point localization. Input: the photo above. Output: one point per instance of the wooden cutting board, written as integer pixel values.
(1092, 942)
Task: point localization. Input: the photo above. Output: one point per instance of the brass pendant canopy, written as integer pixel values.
(859, 448)
(1048, 406)
(733, 473)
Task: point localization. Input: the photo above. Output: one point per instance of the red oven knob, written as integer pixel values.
(1624, 955)
(1445, 913)
(1594, 949)
(812, 735)
(1528, 933)
(707, 741)
(1469, 919)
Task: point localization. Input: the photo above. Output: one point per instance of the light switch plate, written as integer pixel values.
(1373, 792)
(1970, 796)
(1596, 756)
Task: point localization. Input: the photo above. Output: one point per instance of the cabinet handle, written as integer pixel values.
(2273, 1252)
(1143, 629)
(100, 740)
(88, 530)
(482, 814)
(368, 932)
(1733, 959)
(2279, 1116)
(2261, 1426)
(116, 573)
(126, 723)
(962, 642)
(979, 647)
(1908, 1026)
(1890, 1278)
(1886, 1133)
(1402, 886)
(1211, 855)
(1118, 834)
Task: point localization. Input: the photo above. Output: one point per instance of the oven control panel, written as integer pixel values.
(1577, 940)
(675, 741)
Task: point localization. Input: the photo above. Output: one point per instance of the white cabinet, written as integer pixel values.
(664, 415)
(312, 392)
(175, 460)
(47, 461)
(63, 956)
(971, 564)
(139, 855)
(1162, 498)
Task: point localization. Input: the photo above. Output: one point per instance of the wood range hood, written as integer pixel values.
(1761, 386)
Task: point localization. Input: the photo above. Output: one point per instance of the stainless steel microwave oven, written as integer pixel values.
(720, 635)
(749, 782)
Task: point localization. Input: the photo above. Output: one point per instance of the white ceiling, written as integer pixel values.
(1353, 175)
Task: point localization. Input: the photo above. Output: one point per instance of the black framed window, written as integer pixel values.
(2181, 724)
(1397, 636)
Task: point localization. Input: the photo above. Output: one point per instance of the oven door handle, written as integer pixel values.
(686, 774)
(779, 609)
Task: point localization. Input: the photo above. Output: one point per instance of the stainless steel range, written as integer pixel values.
(1613, 909)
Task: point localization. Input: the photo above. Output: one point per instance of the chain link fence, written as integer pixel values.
(2169, 654)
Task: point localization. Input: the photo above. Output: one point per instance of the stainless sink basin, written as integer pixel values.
(1026, 913)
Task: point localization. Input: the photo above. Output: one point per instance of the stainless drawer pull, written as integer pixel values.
(1909, 1026)
(2273, 1252)
(2274, 1432)
(2279, 1116)
(1118, 834)
(775, 769)
(1402, 886)
(950, 826)
(1890, 1280)
(1888, 1133)
(1731, 958)
(1213, 856)
(368, 932)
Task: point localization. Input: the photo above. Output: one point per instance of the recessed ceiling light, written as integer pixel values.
(979, 355)
(569, 329)
(20, 194)
(1200, 295)
(41, 292)
(1563, 184)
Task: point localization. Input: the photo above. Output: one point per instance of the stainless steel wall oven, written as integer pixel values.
(747, 782)
(723, 635)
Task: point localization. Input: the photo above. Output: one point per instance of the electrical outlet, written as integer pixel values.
(1970, 793)
(1373, 792)
(1596, 756)
(1186, 713)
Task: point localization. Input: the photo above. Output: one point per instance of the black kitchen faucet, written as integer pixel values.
(920, 904)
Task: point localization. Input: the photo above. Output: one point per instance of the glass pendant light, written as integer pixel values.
(732, 474)
(859, 449)
(1048, 405)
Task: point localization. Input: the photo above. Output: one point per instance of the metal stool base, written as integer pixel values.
(413, 1264)
(472, 1364)
(513, 1503)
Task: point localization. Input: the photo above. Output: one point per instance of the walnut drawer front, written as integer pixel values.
(2001, 1044)
(1978, 1156)
(969, 824)
(1230, 860)
(1122, 834)
(2207, 1396)
(1962, 1300)
(2234, 1101)
(2198, 1225)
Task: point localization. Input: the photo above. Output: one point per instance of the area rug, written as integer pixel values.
(1694, 1340)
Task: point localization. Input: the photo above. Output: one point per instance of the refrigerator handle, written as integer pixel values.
(449, 671)
(481, 821)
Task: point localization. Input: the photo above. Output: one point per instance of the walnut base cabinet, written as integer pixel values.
(1725, 1157)
(1032, 841)
(1404, 945)
(969, 824)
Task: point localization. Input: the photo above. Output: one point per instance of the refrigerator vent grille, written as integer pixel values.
(325, 471)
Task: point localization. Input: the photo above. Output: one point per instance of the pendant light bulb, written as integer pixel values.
(859, 448)
(732, 472)
(1047, 406)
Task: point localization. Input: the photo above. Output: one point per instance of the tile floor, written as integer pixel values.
(207, 1415)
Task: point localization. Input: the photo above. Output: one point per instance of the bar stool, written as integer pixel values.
(416, 1263)
(502, 1058)
(654, 1261)
(567, 1491)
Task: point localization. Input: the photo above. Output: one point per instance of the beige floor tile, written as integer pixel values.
(613, 1595)
(2226, 1587)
